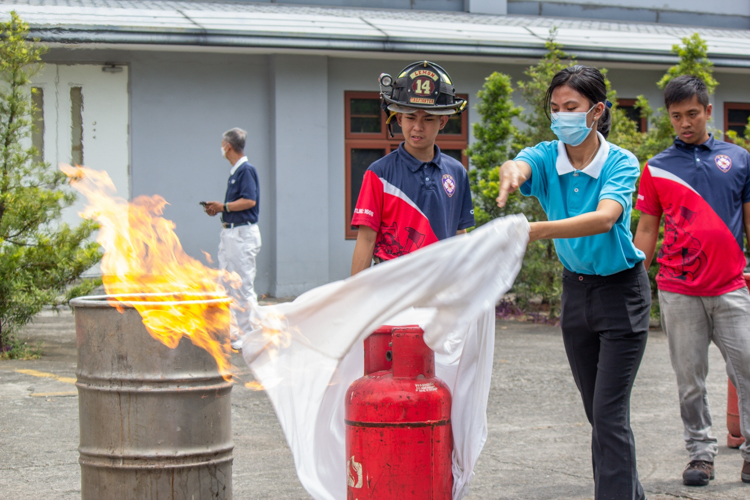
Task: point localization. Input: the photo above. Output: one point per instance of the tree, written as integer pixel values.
(493, 144)
(541, 274)
(693, 54)
(497, 139)
(41, 258)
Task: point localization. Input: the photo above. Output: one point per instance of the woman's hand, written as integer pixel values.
(512, 175)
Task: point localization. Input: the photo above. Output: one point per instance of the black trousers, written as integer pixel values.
(605, 327)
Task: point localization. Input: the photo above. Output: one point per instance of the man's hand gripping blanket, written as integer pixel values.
(306, 353)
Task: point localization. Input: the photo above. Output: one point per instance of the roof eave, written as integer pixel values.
(203, 38)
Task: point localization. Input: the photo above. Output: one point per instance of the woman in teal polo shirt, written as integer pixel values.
(585, 185)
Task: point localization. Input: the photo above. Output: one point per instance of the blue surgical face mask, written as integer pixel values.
(570, 126)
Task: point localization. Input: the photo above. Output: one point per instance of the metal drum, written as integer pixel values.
(155, 422)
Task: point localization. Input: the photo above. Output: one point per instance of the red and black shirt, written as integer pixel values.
(701, 190)
(411, 204)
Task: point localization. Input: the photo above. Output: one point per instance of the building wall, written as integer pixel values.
(293, 109)
(180, 104)
(720, 13)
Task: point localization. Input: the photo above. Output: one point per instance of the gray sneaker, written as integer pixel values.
(746, 472)
(698, 473)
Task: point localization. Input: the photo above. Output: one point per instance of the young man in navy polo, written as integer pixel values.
(240, 237)
(416, 195)
(702, 186)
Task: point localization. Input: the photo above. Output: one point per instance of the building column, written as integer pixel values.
(299, 158)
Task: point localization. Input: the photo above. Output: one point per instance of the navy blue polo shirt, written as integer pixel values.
(243, 183)
(411, 203)
(700, 189)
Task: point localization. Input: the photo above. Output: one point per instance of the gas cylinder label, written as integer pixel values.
(428, 387)
(354, 473)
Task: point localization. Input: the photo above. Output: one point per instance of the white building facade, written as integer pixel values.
(144, 90)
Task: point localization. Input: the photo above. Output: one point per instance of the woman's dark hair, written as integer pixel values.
(587, 81)
(683, 88)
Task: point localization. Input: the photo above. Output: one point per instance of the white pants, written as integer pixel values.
(238, 248)
(691, 324)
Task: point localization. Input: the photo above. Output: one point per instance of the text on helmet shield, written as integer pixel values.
(423, 86)
(423, 72)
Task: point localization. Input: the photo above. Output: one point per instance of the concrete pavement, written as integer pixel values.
(538, 445)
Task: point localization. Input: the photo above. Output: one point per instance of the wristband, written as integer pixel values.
(226, 207)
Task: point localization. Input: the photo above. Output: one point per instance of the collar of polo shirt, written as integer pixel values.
(414, 164)
(709, 144)
(593, 169)
(237, 165)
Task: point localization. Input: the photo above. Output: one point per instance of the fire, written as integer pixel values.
(145, 266)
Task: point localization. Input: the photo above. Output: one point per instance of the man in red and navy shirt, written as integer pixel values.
(416, 195)
(702, 186)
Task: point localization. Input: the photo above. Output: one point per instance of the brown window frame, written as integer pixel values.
(643, 125)
(382, 140)
(744, 106)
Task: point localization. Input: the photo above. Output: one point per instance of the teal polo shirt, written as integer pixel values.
(566, 192)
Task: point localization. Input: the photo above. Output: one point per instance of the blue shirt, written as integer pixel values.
(411, 203)
(700, 189)
(718, 171)
(565, 192)
(243, 183)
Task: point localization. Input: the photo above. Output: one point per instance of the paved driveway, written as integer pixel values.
(538, 445)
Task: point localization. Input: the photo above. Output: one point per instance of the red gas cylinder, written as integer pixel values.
(398, 427)
(734, 436)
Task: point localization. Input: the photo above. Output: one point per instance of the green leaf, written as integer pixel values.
(41, 258)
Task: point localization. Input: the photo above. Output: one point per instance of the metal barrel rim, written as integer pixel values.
(103, 301)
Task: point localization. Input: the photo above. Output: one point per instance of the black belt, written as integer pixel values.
(230, 225)
(622, 276)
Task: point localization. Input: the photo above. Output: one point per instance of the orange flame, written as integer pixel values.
(145, 266)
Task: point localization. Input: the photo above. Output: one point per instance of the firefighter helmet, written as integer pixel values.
(420, 85)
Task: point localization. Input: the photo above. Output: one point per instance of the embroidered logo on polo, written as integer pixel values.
(723, 162)
(449, 184)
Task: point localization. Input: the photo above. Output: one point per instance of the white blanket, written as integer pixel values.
(306, 353)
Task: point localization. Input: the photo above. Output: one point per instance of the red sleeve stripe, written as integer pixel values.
(392, 190)
(663, 174)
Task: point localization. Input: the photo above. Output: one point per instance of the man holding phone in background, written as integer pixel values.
(240, 236)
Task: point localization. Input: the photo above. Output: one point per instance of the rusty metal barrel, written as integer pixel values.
(154, 422)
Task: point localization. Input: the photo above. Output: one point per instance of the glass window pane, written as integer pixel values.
(360, 160)
(37, 120)
(365, 107)
(453, 126)
(633, 113)
(76, 125)
(738, 115)
(365, 116)
(365, 124)
(740, 129)
(453, 153)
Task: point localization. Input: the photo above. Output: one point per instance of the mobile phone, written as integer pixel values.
(203, 203)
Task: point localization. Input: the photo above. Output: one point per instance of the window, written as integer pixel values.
(736, 115)
(366, 140)
(76, 127)
(37, 120)
(628, 106)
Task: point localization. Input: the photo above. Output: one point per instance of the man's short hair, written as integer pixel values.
(683, 88)
(236, 139)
